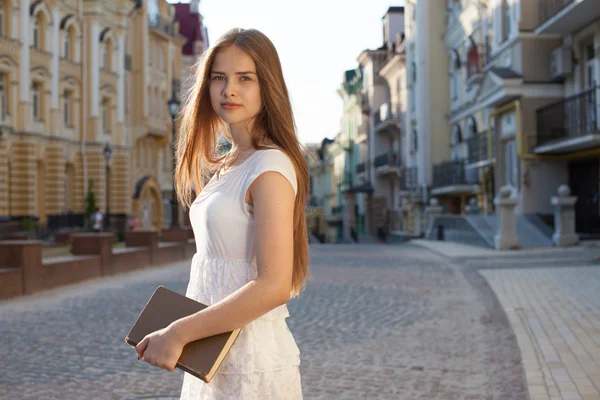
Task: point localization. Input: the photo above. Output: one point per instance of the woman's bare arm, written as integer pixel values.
(273, 201)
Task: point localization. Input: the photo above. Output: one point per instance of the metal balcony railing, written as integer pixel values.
(389, 159)
(337, 210)
(477, 147)
(452, 173)
(360, 168)
(573, 117)
(549, 8)
(408, 178)
(161, 23)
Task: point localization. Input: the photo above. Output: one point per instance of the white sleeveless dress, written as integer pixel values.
(264, 361)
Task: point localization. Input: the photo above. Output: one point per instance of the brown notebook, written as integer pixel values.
(200, 358)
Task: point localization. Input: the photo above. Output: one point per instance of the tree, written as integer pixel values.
(90, 204)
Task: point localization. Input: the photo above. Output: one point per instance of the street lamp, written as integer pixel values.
(173, 104)
(107, 154)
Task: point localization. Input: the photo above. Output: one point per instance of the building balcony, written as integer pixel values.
(451, 177)
(162, 24)
(336, 215)
(569, 125)
(361, 170)
(566, 16)
(387, 164)
(387, 121)
(409, 179)
(478, 151)
(476, 60)
(362, 133)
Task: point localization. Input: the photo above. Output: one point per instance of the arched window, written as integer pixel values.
(454, 74)
(471, 127)
(36, 100)
(2, 16)
(35, 37)
(456, 140)
(3, 96)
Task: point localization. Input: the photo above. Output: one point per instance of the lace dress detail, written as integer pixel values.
(264, 361)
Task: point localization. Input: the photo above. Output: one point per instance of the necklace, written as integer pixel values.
(219, 174)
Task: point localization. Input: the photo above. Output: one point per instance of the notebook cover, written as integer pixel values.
(200, 358)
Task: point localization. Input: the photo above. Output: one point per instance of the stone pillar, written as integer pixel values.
(99, 244)
(433, 210)
(473, 207)
(143, 238)
(564, 218)
(506, 238)
(26, 255)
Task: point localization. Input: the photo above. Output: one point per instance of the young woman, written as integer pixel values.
(248, 220)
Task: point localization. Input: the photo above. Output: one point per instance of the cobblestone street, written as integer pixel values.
(375, 322)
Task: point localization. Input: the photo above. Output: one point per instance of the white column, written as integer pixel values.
(94, 69)
(564, 218)
(506, 237)
(55, 54)
(24, 59)
(422, 91)
(121, 72)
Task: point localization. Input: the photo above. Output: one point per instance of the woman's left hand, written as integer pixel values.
(161, 348)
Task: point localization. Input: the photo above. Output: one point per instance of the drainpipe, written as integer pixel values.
(83, 103)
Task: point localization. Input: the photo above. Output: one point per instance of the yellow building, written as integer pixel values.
(78, 78)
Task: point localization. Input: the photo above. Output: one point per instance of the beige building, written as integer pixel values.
(427, 138)
(80, 81)
(320, 213)
(567, 138)
(522, 112)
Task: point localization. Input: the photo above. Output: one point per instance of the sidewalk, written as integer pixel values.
(460, 250)
(555, 315)
(551, 298)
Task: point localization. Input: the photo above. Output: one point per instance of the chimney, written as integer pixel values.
(195, 7)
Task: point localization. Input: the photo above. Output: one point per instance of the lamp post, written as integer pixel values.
(173, 104)
(107, 154)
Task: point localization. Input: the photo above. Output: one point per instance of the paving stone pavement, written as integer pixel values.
(374, 322)
(555, 314)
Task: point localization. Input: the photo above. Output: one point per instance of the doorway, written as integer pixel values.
(584, 181)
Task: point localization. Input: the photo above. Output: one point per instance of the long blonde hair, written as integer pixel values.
(197, 147)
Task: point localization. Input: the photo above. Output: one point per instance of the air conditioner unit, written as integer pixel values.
(561, 63)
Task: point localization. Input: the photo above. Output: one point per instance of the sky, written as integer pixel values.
(317, 40)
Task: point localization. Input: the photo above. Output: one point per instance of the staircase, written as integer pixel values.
(480, 230)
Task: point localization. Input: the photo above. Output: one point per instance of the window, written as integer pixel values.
(35, 37)
(67, 109)
(590, 66)
(106, 116)
(103, 56)
(506, 20)
(35, 90)
(454, 75)
(3, 99)
(66, 45)
(471, 127)
(456, 143)
(510, 156)
(108, 53)
(415, 142)
(1, 17)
